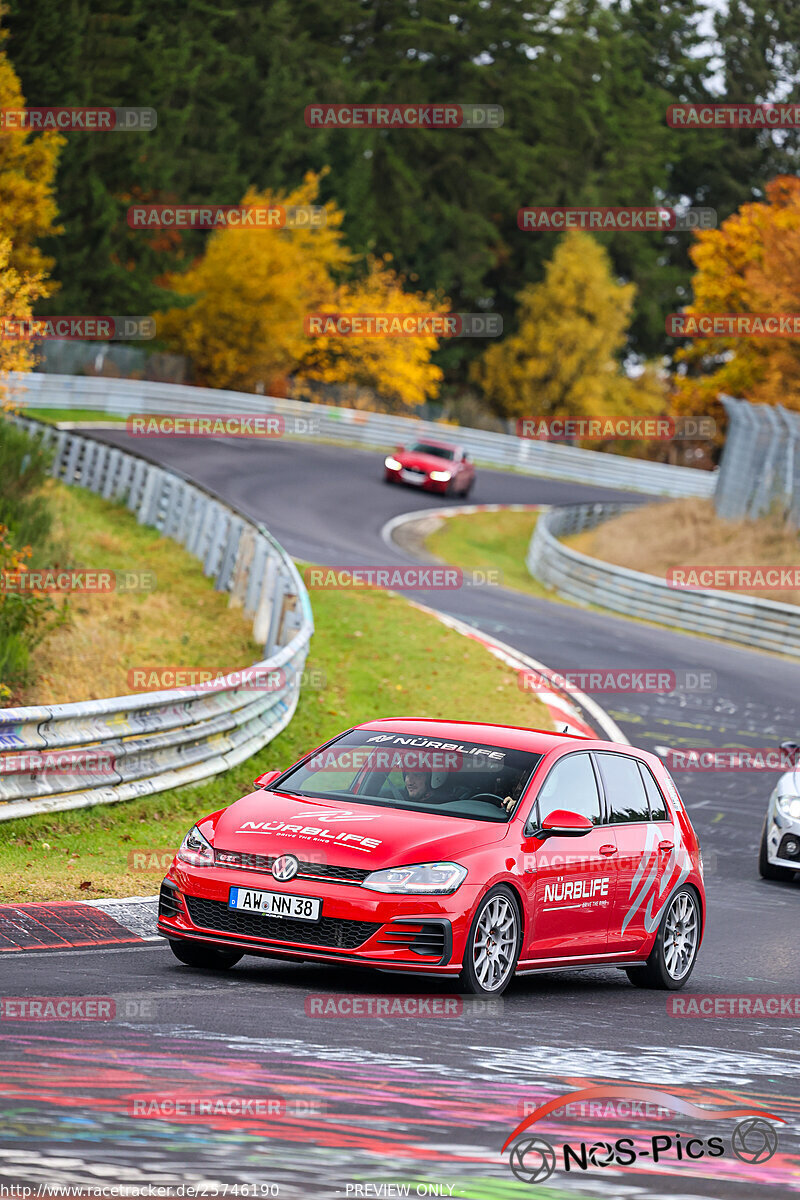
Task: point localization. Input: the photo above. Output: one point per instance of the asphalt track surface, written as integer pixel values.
(426, 1101)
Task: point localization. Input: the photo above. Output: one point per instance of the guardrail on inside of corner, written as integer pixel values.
(92, 752)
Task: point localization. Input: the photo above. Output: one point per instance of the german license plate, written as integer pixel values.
(275, 904)
(412, 477)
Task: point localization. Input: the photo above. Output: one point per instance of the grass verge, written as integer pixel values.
(686, 533)
(490, 541)
(181, 622)
(81, 416)
(374, 654)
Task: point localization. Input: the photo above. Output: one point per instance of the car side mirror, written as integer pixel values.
(399, 449)
(263, 781)
(793, 749)
(562, 823)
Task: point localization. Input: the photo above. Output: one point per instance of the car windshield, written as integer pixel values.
(436, 451)
(416, 773)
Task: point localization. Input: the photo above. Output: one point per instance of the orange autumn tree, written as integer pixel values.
(397, 369)
(751, 264)
(27, 177)
(27, 213)
(251, 291)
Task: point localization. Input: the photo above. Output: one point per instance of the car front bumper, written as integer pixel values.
(406, 933)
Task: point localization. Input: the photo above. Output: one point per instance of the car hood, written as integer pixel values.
(426, 462)
(347, 834)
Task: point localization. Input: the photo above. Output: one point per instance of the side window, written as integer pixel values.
(570, 784)
(627, 799)
(658, 807)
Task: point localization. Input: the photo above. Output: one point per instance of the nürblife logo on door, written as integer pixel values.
(574, 893)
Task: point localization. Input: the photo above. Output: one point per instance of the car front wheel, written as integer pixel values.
(197, 954)
(672, 958)
(492, 949)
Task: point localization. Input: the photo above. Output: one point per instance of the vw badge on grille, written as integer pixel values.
(285, 867)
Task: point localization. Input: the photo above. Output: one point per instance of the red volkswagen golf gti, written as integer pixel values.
(468, 850)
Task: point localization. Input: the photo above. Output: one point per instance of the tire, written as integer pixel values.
(197, 954)
(500, 903)
(468, 489)
(682, 911)
(766, 869)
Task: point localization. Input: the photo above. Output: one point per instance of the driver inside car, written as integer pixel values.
(508, 803)
(420, 789)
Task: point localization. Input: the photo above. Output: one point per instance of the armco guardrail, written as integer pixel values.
(135, 745)
(123, 397)
(735, 618)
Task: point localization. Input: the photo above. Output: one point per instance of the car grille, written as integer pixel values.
(215, 915)
(429, 939)
(307, 870)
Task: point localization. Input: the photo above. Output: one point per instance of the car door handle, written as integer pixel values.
(608, 850)
(666, 846)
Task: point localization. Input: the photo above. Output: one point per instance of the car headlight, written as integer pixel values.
(392, 463)
(196, 850)
(790, 806)
(441, 476)
(423, 879)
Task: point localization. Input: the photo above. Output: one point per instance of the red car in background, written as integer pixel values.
(455, 849)
(432, 466)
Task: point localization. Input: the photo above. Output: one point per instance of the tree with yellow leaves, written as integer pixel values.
(17, 295)
(398, 370)
(563, 359)
(751, 264)
(27, 173)
(251, 291)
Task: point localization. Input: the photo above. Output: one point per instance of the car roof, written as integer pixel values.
(512, 737)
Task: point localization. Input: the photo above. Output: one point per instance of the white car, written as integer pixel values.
(779, 855)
